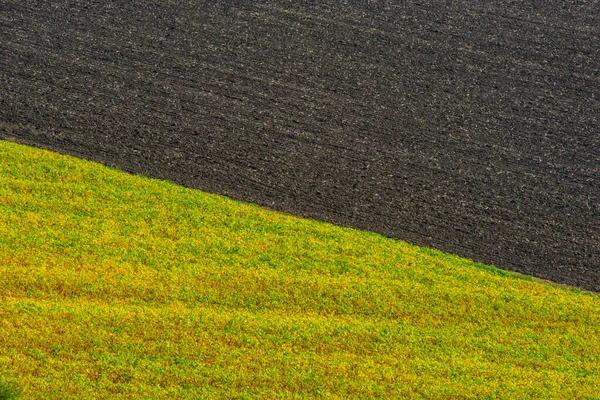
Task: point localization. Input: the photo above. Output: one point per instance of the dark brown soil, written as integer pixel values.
(470, 126)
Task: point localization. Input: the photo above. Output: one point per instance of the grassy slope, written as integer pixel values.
(116, 284)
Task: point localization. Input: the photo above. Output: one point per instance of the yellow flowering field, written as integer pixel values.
(119, 286)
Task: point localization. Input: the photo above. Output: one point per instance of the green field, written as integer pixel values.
(120, 286)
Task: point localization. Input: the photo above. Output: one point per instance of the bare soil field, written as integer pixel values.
(470, 126)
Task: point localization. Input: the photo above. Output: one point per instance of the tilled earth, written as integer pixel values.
(472, 126)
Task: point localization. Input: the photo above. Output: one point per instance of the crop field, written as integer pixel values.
(470, 126)
(122, 286)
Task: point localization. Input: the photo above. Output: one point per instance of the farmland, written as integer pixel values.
(468, 126)
(116, 285)
(297, 199)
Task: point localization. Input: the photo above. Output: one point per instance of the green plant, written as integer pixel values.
(115, 285)
(9, 391)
